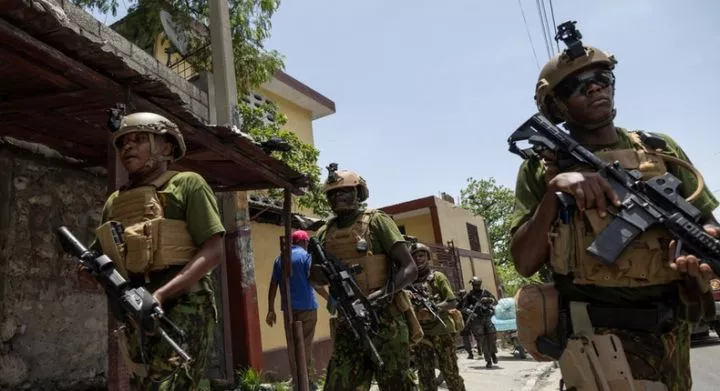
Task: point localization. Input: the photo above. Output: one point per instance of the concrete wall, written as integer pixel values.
(481, 268)
(419, 226)
(299, 120)
(54, 332)
(453, 220)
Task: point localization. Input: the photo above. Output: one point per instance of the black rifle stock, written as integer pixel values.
(420, 298)
(644, 203)
(136, 304)
(353, 305)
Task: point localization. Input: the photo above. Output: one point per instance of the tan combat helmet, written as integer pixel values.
(344, 178)
(154, 124)
(420, 247)
(576, 57)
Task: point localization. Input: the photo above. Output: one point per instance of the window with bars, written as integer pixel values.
(473, 237)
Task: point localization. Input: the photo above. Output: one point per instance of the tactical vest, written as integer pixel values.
(353, 246)
(643, 263)
(147, 241)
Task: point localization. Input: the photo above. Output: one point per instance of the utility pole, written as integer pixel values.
(234, 204)
(223, 62)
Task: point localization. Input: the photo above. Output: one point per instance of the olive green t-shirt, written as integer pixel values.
(186, 196)
(383, 231)
(440, 287)
(531, 186)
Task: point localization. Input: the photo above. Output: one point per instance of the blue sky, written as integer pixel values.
(427, 93)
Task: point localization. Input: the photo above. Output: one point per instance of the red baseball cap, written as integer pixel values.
(300, 236)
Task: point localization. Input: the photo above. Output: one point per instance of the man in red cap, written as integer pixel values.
(303, 303)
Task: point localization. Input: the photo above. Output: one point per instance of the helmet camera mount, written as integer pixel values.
(571, 36)
(115, 116)
(332, 173)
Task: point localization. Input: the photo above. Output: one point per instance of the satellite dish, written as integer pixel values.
(176, 37)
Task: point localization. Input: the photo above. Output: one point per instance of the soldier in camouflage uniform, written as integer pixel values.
(371, 239)
(465, 333)
(646, 299)
(481, 327)
(181, 212)
(439, 341)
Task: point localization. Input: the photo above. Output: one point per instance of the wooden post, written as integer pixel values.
(298, 367)
(285, 297)
(243, 311)
(118, 377)
(302, 376)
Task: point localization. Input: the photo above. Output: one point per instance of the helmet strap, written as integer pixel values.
(155, 156)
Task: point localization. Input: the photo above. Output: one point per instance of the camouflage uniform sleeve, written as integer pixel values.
(442, 287)
(706, 202)
(201, 210)
(529, 189)
(385, 233)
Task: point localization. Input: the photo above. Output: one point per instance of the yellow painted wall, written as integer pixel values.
(266, 247)
(483, 269)
(418, 226)
(452, 221)
(467, 271)
(299, 119)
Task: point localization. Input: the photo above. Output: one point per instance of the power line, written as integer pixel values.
(543, 25)
(527, 29)
(548, 30)
(552, 13)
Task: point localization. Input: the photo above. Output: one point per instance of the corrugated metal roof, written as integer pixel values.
(61, 71)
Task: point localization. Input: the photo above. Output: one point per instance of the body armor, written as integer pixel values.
(147, 241)
(643, 263)
(353, 246)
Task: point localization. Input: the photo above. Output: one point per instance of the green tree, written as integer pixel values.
(250, 23)
(494, 203)
(265, 122)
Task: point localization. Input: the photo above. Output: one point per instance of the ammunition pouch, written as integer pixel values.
(543, 328)
(404, 306)
(374, 272)
(149, 245)
(457, 319)
(537, 309)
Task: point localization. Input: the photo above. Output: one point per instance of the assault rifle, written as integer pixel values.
(419, 298)
(353, 305)
(472, 314)
(126, 302)
(645, 204)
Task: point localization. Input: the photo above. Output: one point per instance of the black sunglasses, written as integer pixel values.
(581, 83)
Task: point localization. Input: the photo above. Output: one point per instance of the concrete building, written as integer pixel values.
(458, 238)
